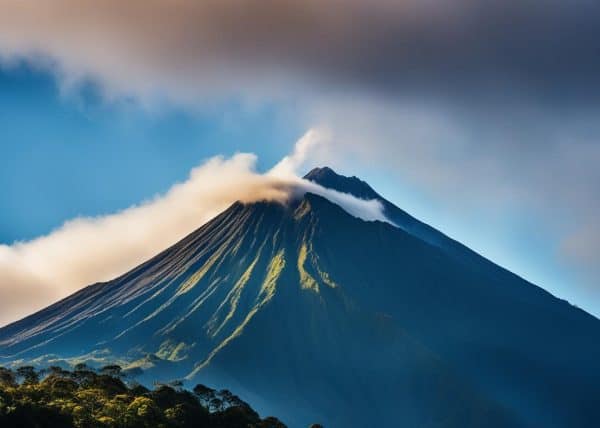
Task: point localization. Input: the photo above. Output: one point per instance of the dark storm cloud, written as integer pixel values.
(183, 48)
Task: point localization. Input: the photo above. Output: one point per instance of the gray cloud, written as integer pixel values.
(185, 49)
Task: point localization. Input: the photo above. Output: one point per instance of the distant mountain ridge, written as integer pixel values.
(315, 315)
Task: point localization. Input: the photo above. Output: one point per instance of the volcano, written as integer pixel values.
(315, 315)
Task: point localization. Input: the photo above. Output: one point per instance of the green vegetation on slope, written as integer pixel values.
(88, 399)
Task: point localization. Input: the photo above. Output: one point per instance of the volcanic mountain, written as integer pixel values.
(314, 315)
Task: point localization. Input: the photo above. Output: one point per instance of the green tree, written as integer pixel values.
(143, 412)
(28, 374)
(216, 404)
(204, 394)
(113, 370)
(59, 386)
(7, 377)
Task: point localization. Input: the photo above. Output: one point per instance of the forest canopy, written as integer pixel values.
(87, 398)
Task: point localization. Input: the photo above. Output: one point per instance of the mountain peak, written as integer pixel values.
(319, 171)
(327, 177)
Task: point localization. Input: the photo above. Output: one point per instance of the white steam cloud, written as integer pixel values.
(83, 251)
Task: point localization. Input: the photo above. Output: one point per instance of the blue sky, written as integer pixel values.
(67, 156)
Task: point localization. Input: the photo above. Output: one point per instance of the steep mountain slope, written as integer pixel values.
(311, 313)
(353, 185)
(513, 339)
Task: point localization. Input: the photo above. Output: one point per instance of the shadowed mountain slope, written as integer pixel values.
(315, 315)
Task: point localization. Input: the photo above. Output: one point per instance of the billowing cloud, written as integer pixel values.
(304, 150)
(88, 250)
(186, 50)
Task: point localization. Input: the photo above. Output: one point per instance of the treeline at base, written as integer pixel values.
(88, 398)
